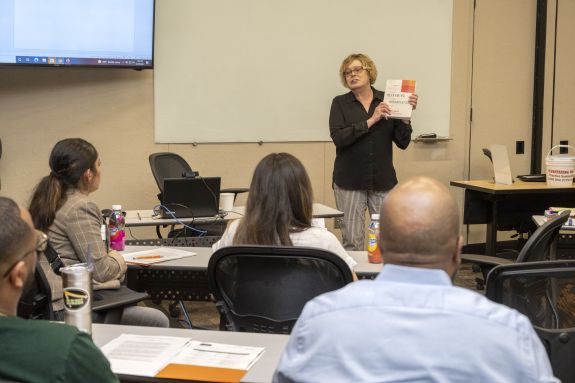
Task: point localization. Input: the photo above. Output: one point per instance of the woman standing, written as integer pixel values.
(363, 134)
(60, 207)
(279, 210)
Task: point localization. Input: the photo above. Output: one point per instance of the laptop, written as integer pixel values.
(191, 197)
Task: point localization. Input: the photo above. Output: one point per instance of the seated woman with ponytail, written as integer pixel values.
(60, 208)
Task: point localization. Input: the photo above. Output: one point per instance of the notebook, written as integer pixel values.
(191, 197)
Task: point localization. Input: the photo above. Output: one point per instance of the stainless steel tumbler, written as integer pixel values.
(77, 286)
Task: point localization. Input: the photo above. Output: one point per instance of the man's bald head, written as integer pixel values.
(419, 225)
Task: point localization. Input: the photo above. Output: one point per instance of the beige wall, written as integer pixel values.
(114, 110)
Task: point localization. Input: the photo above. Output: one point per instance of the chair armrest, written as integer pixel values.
(109, 299)
(485, 259)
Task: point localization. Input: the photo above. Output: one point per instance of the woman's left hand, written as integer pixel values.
(413, 100)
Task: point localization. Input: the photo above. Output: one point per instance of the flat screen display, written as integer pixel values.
(95, 33)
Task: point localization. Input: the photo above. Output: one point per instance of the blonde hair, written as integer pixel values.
(365, 61)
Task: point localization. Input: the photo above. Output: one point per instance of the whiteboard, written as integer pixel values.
(267, 70)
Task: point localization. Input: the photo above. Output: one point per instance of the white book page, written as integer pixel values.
(218, 355)
(141, 355)
(397, 100)
(156, 255)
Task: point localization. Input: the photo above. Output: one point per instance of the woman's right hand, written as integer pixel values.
(382, 110)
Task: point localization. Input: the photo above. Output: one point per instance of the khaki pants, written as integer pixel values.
(354, 203)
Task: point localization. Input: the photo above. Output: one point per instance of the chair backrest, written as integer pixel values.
(167, 165)
(542, 244)
(264, 288)
(36, 301)
(545, 293)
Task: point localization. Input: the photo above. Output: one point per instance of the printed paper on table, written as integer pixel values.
(156, 255)
(179, 358)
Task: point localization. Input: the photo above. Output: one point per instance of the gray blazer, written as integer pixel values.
(76, 227)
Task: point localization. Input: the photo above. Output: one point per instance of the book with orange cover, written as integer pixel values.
(397, 94)
(179, 358)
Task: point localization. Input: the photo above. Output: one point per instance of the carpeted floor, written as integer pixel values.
(204, 315)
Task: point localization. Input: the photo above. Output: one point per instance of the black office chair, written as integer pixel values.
(171, 165)
(541, 246)
(167, 165)
(264, 288)
(545, 293)
(36, 302)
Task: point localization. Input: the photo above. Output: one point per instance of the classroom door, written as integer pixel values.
(563, 93)
(502, 86)
(502, 82)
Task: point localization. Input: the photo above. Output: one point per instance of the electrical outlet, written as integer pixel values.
(519, 147)
(563, 150)
(337, 223)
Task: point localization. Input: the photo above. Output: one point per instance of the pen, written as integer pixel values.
(140, 218)
(148, 257)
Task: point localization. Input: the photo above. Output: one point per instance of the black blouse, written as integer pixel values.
(364, 157)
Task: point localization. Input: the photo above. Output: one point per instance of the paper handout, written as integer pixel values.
(159, 254)
(142, 355)
(179, 358)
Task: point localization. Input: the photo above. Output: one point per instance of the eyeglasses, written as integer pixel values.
(355, 70)
(41, 245)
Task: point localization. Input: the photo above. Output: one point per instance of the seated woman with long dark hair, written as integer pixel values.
(60, 207)
(279, 210)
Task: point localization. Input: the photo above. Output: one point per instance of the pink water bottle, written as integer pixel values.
(116, 225)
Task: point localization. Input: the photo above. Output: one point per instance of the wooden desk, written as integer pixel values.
(186, 279)
(147, 218)
(496, 204)
(261, 372)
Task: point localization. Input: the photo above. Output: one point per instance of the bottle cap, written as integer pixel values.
(375, 216)
(116, 207)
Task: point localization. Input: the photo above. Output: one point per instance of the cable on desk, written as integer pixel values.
(173, 215)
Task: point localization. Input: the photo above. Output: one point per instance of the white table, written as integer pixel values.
(147, 218)
(186, 278)
(200, 260)
(262, 371)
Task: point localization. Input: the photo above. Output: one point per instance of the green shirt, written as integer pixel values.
(42, 351)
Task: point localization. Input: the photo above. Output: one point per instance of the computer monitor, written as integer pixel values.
(65, 33)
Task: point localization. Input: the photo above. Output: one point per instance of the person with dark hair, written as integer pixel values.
(37, 351)
(411, 324)
(279, 210)
(363, 135)
(60, 207)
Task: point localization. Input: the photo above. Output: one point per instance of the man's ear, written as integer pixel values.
(19, 275)
(457, 254)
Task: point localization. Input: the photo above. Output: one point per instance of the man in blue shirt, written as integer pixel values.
(411, 324)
